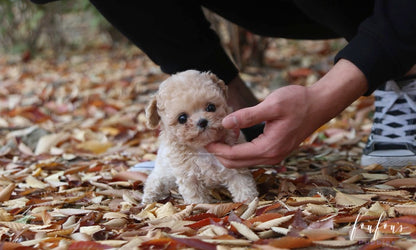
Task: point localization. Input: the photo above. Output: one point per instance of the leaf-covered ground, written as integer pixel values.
(72, 126)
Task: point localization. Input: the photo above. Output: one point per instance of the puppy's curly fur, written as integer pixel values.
(189, 108)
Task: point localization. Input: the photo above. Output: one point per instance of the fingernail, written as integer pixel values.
(230, 122)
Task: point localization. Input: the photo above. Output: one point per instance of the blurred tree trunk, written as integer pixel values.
(245, 48)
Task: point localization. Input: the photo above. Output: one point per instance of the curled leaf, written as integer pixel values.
(297, 201)
(245, 231)
(218, 209)
(6, 192)
(273, 223)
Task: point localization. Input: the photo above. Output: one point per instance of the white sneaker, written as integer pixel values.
(145, 167)
(392, 141)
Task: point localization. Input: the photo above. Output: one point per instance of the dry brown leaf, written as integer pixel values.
(319, 234)
(218, 209)
(71, 211)
(279, 230)
(375, 210)
(358, 234)
(6, 192)
(166, 209)
(335, 243)
(95, 147)
(297, 201)
(212, 231)
(15, 203)
(113, 243)
(132, 244)
(131, 175)
(348, 200)
(397, 193)
(114, 215)
(272, 223)
(35, 183)
(14, 226)
(245, 231)
(402, 183)
(46, 142)
(353, 179)
(5, 216)
(406, 209)
(115, 223)
(290, 242)
(252, 206)
(320, 209)
(62, 232)
(227, 242)
(374, 177)
(90, 230)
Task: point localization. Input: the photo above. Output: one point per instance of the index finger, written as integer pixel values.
(247, 117)
(244, 151)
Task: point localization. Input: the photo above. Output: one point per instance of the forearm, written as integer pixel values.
(335, 91)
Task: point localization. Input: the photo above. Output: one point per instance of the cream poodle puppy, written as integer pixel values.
(189, 108)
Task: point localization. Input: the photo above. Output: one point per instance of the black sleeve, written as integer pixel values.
(384, 47)
(176, 36)
(43, 1)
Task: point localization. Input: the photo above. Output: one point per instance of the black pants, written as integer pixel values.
(176, 35)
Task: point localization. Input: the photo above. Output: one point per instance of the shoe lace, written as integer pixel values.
(394, 126)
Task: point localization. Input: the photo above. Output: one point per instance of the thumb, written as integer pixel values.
(244, 118)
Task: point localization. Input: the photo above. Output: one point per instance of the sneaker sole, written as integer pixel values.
(388, 161)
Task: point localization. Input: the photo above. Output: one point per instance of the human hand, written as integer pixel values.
(290, 114)
(285, 113)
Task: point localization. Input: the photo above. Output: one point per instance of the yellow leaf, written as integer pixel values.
(95, 147)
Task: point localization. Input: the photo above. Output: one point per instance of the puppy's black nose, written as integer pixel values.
(202, 123)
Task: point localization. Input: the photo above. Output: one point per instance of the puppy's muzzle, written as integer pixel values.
(202, 123)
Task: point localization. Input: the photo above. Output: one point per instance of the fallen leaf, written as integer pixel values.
(272, 223)
(320, 209)
(6, 192)
(35, 183)
(402, 183)
(335, 243)
(218, 209)
(87, 245)
(245, 231)
(297, 201)
(319, 234)
(95, 147)
(290, 242)
(406, 209)
(46, 142)
(252, 206)
(348, 200)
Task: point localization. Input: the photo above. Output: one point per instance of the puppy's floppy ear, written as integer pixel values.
(152, 116)
(220, 83)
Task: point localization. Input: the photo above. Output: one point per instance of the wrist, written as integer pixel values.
(335, 91)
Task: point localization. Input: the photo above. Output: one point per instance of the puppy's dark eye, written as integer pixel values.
(182, 118)
(210, 108)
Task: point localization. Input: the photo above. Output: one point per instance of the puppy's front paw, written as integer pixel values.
(146, 199)
(242, 187)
